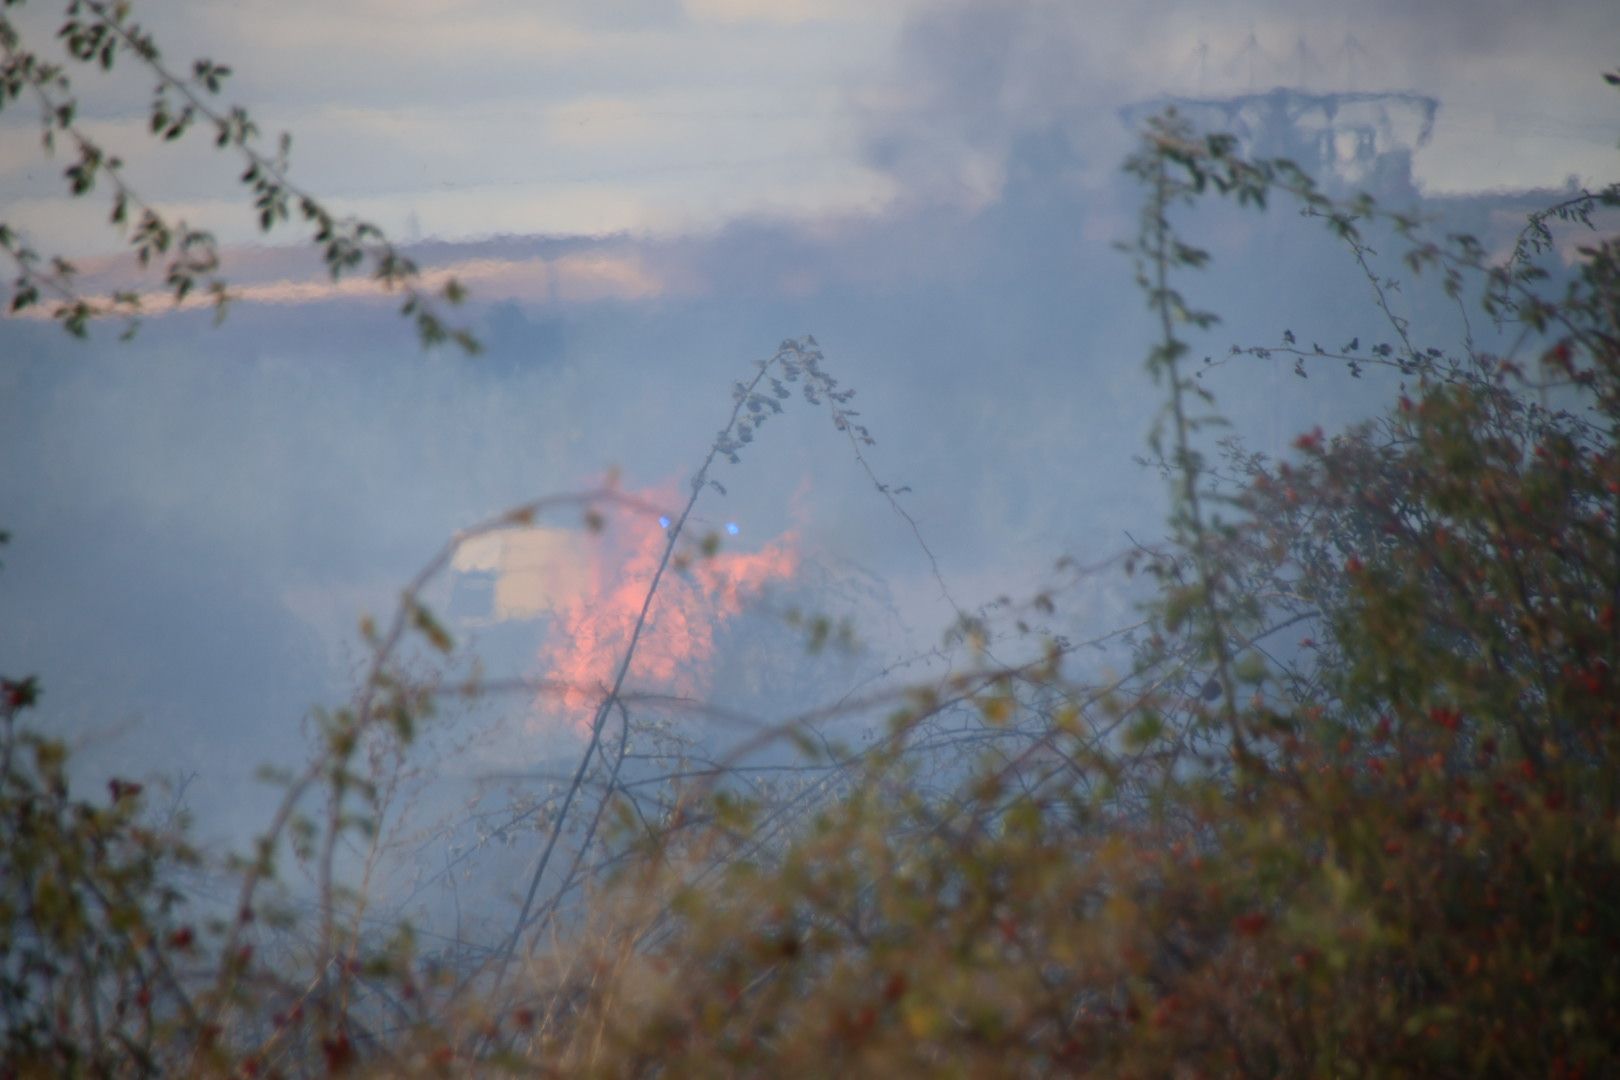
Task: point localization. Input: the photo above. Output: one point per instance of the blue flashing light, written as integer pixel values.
(731, 528)
(663, 521)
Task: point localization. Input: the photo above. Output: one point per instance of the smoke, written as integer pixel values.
(199, 517)
(1522, 103)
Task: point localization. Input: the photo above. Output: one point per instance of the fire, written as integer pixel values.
(592, 625)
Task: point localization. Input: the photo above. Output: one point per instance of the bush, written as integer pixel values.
(1390, 849)
(89, 938)
(1393, 847)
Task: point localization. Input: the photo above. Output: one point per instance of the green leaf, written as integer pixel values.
(429, 627)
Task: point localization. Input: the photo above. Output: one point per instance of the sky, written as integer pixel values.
(488, 117)
(645, 197)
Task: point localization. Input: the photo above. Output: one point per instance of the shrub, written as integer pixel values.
(1393, 847)
(1388, 849)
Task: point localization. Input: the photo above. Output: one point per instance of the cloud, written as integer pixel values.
(486, 117)
(791, 12)
(578, 278)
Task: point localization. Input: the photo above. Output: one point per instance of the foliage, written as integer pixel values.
(92, 935)
(97, 34)
(1390, 848)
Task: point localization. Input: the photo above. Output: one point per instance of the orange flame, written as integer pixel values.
(592, 627)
